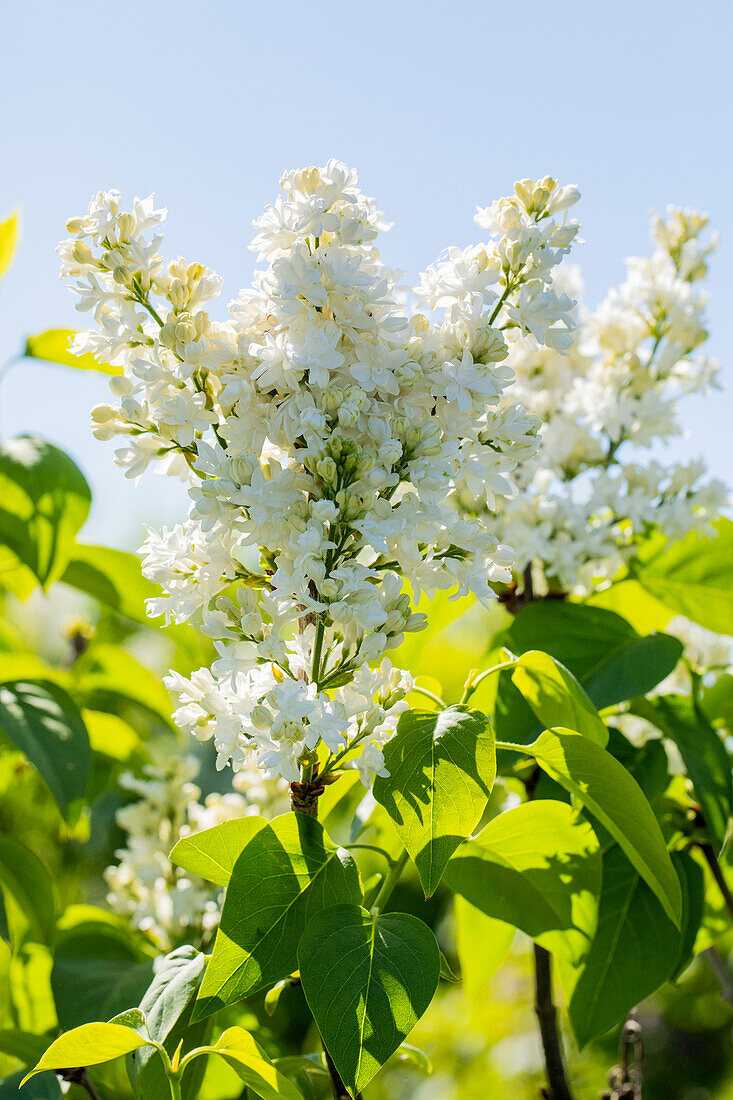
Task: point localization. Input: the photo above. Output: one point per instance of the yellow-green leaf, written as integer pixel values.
(612, 795)
(110, 735)
(252, 1064)
(88, 1045)
(556, 697)
(54, 346)
(8, 241)
(212, 853)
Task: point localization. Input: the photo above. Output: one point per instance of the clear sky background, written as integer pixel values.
(439, 105)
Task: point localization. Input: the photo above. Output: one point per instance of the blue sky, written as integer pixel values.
(440, 106)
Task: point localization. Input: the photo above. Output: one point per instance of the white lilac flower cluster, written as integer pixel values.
(168, 904)
(325, 429)
(593, 491)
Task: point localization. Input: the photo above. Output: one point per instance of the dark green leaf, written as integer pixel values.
(704, 755)
(287, 872)
(442, 767)
(22, 1045)
(368, 980)
(44, 1087)
(609, 659)
(635, 951)
(41, 720)
(98, 970)
(45, 500)
(27, 893)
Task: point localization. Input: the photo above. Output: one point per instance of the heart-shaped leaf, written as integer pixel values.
(367, 979)
(442, 766)
(285, 874)
(212, 853)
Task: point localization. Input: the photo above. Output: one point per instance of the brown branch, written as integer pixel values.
(546, 1013)
(80, 1077)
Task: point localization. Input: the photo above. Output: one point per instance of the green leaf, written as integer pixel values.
(107, 677)
(442, 767)
(113, 577)
(99, 968)
(367, 979)
(88, 1045)
(556, 697)
(483, 945)
(703, 752)
(134, 1018)
(613, 796)
(44, 723)
(648, 763)
(609, 659)
(110, 736)
(27, 892)
(8, 241)
(634, 604)
(536, 867)
(253, 1065)
(212, 853)
(45, 500)
(54, 346)
(413, 1056)
(166, 1008)
(22, 1045)
(694, 577)
(285, 874)
(44, 1087)
(635, 951)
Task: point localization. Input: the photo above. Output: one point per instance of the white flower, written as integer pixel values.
(327, 431)
(603, 393)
